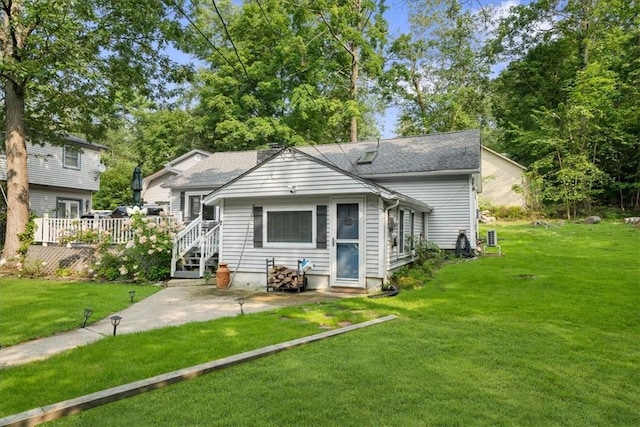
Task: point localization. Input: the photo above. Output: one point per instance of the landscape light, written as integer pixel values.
(87, 313)
(241, 302)
(132, 294)
(115, 321)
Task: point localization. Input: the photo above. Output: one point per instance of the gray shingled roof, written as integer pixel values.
(444, 152)
(215, 170)
(455, 151)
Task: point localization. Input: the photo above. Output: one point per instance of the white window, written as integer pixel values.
(401, 232)
(290, 227)
(406, 231)
(68, 208)
(70, 157)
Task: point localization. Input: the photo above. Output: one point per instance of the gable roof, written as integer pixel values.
(296, 153)
(505, 158)
(186, 155)
(215, 170)
(171, 167)
(444, 153)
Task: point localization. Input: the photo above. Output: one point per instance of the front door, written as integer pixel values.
(347, 244)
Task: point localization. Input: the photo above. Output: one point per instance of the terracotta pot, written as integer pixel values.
(223, 276)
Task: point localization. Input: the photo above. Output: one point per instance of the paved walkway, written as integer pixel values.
(170, 307)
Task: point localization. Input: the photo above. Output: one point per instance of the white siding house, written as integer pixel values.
(353, 209)
(153, 191)
(62, 178)
(503, 180)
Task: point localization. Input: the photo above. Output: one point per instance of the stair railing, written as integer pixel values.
(184, 241)
(209, 245)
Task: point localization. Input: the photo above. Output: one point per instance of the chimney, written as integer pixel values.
(265, 154)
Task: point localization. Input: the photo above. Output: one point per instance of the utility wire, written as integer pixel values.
(204, 36)
(246, 74)
(233, 45)
(313, 100)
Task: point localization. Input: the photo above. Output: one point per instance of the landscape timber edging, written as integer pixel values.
(73, 406)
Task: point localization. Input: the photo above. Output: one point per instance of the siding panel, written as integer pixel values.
(237, 244)
(299, 176)
(452, 202)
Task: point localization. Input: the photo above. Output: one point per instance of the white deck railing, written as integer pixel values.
(66, 230)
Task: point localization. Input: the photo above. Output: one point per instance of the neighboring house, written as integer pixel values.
(62, 178)
(354, 210)
(153, 192)
(503, 180)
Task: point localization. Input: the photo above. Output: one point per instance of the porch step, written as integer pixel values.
(178, 283)
(186, 274)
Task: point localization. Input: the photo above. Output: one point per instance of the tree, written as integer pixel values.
(438, 74)
(64, 65)
(358, 31)
(274, 74)
(575, 85)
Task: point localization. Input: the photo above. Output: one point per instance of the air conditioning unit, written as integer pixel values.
(492, 242)
(492, 238)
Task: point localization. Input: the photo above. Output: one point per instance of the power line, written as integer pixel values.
(245, 75)
(233, 45)
(199, 31)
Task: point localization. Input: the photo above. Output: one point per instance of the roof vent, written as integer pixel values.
(368, 158)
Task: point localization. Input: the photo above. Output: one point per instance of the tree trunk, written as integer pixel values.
(353, 91)
(17, 175)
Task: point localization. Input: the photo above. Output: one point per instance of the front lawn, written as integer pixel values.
(546, 335)
(32, 308)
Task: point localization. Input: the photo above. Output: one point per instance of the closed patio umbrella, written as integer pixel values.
(136, 185)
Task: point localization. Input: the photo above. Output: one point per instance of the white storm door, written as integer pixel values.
(347, 251)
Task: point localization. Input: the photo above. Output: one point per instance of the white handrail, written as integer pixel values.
(209, 246)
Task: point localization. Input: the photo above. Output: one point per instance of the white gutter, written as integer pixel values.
(385, 252)
(375, 177)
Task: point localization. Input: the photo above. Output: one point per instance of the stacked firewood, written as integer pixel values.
(281, 277)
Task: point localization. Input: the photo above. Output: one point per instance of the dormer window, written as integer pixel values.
(70, 157)
(368, 158)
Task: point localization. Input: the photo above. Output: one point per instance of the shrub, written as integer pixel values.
(428, 258)
(146, 257)
(511, 213)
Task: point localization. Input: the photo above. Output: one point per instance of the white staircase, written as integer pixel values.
(195, 249)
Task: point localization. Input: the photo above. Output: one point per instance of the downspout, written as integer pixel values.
(386, 235)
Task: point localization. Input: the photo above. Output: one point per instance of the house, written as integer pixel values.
(503, 180)
(62, 178)
(353, 210)
(153, 192)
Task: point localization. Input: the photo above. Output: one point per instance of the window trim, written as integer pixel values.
(406, 229)
(293, 245)
(68, 200)
(401, 230)
(77, 151)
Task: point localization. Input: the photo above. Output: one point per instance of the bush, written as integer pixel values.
(428, 258)
(146, 257)
(511, 213)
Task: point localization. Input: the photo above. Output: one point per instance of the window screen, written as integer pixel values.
(289, 227)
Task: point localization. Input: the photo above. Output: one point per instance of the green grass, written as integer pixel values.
(31, 308)
(547, 335)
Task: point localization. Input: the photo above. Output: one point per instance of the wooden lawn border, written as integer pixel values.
(72, 406)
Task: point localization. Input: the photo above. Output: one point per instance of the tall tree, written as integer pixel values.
(359, 31)
(576, 63)
(274, 74)
(64, 65)
(437, 74)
